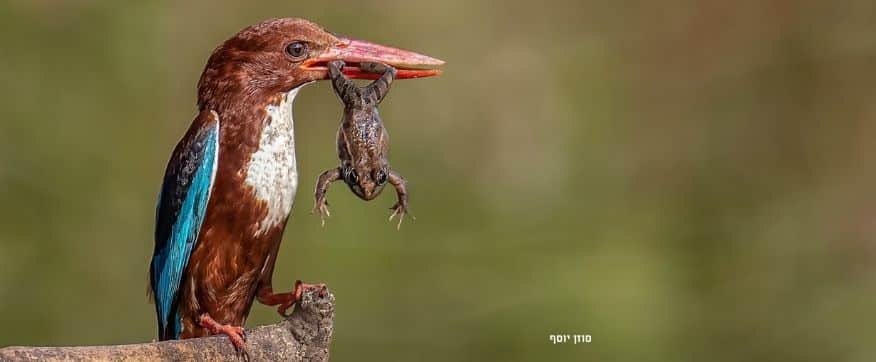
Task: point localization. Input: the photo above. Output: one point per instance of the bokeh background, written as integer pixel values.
(683, 180)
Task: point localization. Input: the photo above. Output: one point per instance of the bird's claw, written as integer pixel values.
(297, 293)
(300, 287)
(284, 307)
(236, 334)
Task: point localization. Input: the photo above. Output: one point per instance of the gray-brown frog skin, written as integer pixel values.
(363, 143)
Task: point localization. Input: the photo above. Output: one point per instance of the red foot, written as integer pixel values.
(234, 333)
(287, 300)
(299, 290)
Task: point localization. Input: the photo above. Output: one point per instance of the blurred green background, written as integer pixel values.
(683, 180)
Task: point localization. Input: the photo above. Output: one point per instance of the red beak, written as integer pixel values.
(352, 52)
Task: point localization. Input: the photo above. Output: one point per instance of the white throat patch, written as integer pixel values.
(272, 171)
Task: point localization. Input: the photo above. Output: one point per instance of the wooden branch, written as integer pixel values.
(304, 336)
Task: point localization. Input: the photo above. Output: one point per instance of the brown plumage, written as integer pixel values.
(215, 251)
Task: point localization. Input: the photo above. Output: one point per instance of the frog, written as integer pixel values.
(362, 142)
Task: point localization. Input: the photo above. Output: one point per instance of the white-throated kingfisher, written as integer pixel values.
(231, 181)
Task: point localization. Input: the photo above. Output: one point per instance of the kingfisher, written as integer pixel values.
(231, 180)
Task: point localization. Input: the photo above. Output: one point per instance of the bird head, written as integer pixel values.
(279, 55)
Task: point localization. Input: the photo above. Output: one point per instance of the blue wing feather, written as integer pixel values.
(182, 206)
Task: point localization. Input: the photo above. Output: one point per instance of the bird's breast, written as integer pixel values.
(272, 171)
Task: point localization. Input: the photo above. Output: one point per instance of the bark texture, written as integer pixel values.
(304, 336)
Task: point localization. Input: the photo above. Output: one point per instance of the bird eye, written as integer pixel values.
(380, 177)
(297, 49)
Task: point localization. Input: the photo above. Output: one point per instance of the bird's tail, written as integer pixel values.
(171, 330)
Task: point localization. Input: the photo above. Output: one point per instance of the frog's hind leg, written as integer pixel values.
(380, 86)
(344, 87)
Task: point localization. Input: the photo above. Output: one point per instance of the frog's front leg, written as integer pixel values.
(322, 185)
(401, 206)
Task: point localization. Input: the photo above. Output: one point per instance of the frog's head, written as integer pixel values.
(365, 181)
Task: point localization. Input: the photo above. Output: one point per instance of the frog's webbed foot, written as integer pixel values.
(321, 206)
(401, 209)
(401, 206)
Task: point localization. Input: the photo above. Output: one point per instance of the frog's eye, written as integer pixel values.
(351, 177)
(380, 177)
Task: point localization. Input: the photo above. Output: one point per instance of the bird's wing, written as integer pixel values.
(181, 208)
